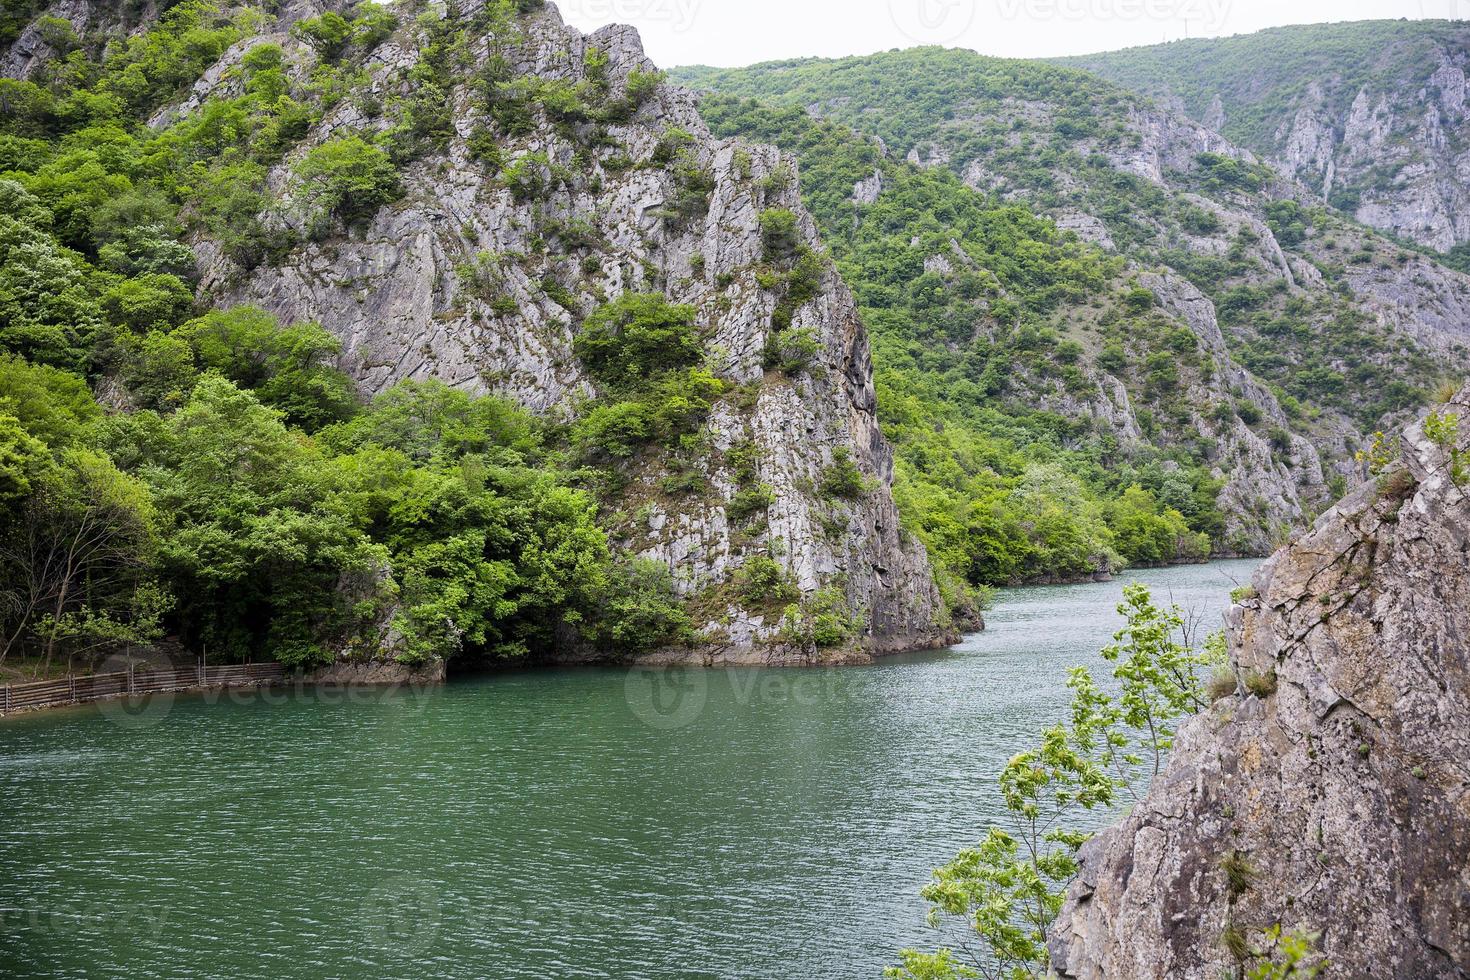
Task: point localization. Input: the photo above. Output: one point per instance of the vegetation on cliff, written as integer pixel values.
(998, 902)
(1000, 489)
(167, 467)
(1064, 143)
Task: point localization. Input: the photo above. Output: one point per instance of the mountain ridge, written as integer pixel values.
(1369, 114)
(469, 206)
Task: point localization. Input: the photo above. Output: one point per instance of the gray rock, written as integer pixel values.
(1346, 788)
(395, 297)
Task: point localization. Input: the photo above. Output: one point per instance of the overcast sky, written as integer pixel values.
(741, 32)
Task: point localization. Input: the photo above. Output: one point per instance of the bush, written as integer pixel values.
(679, 402)
(639, 609)
(843, 480)
(151, 300)
(616, 430)
(289, 368)
(1139, 300)
(762, 580)
(750, 501)
(792, 351)
(1261, 684)
(625, 344)
(822, 620)
(329, 34)
(347, 178)
(1113, 357)
(642, 85)
(780, 233)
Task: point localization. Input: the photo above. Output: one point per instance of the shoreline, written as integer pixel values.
(378, 675)
(383, 675)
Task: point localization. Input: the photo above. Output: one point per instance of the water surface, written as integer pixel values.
(571, 823)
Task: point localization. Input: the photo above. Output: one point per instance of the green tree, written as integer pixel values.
(52, 405)
(348, 179)
(1006, 892)
(23, 459)
(78, 553)
(625, 344)
(290, 368)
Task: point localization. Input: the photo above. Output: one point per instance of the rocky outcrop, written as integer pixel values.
(1267, 489)
(33, 47)
(482, 285)
(1398, 159)
(1371, 116)
(1336, 778)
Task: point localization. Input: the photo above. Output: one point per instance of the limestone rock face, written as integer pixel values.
(607, 218)
(1346, 788)
(1417, 135)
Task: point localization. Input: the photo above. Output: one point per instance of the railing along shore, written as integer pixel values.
(75, 690)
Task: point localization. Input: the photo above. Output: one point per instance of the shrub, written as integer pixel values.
(151, 300)
(1113, 357)
(290, 368)
(617, 430)
(792, 351)
(639, 608)
(1138, 300)
(679, 401)
(485, 149)
(1261, 684)
(780, 233)
(642, 84)
(762, 580)
(1239, 873)
(329, 34)
(750, 501)
(1198, 220)
(1221, 683)
(822, 620)
(347, 178)
(843, 479)
(627, 342)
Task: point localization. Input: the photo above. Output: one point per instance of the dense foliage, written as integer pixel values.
(1000, 492)
(235, 493)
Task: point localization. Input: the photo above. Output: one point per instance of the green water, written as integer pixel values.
(588, 823)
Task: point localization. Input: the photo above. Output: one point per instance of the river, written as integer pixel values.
(536, 824)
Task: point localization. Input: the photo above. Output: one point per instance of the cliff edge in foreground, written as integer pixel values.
(1334, 783)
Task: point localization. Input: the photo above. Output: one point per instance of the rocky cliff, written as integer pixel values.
(1331, 791)
(542, 174)
(1372, 116)
(1317, 329)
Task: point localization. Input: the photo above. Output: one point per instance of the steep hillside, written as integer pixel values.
(1370, 115)
(474, 212)
(1326, 794)
(1345, 328)
(1049, 404)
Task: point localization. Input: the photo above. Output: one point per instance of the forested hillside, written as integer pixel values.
(244, 246)
(1019, 459)
(1370, 115)
(169, 467)
(1316, 330)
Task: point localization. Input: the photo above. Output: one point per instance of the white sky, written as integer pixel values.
(740, 32)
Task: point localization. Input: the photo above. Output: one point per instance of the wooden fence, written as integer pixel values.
(73, 690)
